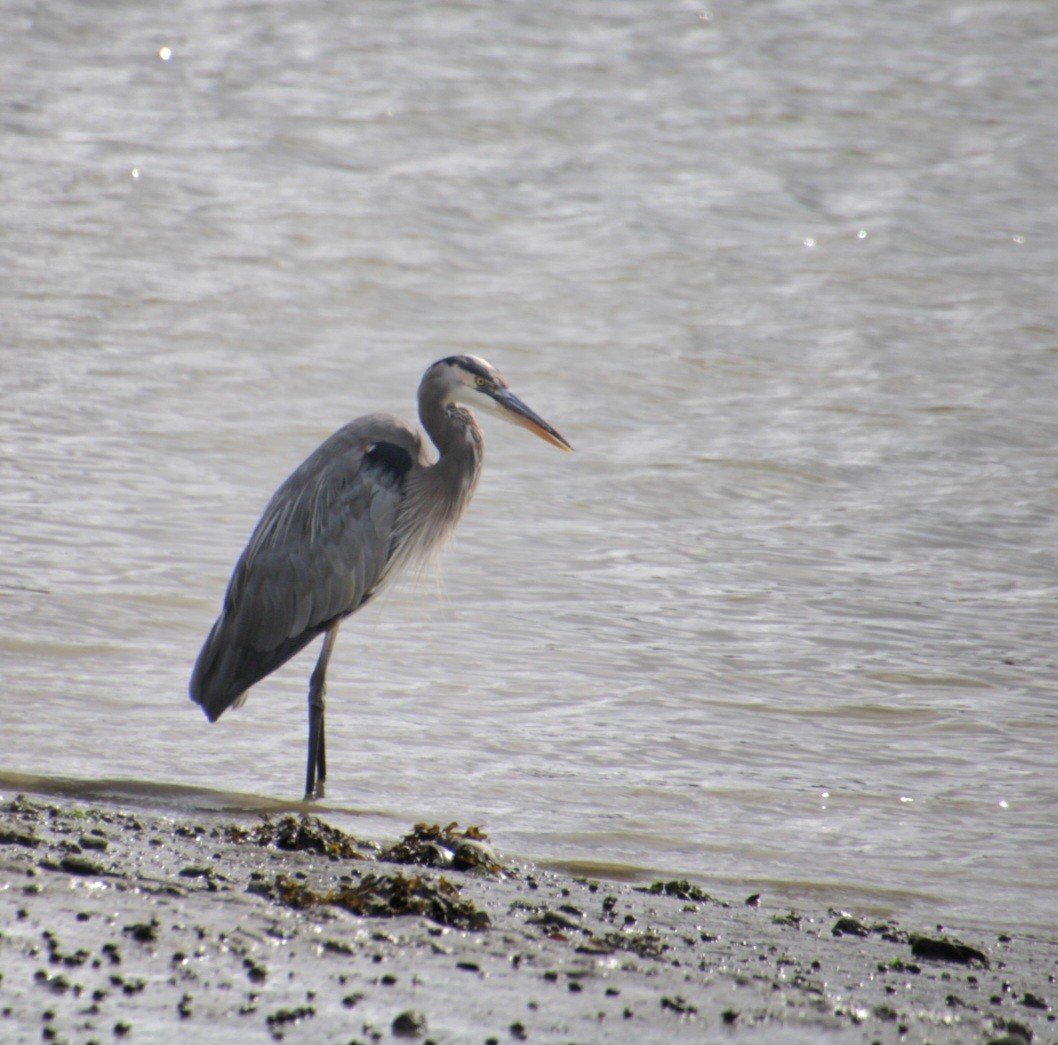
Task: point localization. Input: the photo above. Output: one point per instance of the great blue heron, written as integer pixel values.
(366, 503)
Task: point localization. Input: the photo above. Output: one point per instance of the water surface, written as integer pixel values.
(783, 273)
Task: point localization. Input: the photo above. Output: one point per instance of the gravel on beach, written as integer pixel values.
(123, 925)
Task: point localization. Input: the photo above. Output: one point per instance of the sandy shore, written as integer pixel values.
(118, 925)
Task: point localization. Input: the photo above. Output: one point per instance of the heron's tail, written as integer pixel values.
(216, 680)
(225, 669)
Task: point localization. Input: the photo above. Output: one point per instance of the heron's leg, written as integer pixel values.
(316, 768)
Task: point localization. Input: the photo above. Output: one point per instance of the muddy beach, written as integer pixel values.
(118, 925)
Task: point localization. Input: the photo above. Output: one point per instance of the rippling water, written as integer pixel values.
(783, 272)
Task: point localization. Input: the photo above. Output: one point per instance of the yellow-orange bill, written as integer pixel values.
(518, 413)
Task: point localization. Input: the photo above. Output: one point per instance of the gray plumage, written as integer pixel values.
(366, 503)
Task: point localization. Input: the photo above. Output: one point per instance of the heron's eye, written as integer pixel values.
(480, 382)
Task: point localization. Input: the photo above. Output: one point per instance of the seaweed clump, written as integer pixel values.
(389, 896)
(429, 845)
(945, 950)
(682, 890)
(641, 944)
(301, 834)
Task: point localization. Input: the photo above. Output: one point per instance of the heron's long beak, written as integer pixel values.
(515, 411)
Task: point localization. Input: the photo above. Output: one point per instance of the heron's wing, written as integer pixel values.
(324, 540)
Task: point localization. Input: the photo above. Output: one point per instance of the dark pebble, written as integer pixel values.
(409, 1024)
(945, 950)
(846, 925)
(12, 836)
(74, 864)
(255, 973)
(678, 1005)
(143, 932)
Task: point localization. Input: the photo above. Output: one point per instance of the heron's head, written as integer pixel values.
(472, 382)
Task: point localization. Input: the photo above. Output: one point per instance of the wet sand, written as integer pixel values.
(120, 925)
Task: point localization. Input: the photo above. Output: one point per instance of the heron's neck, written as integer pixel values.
(460, 447)
(438, 494)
